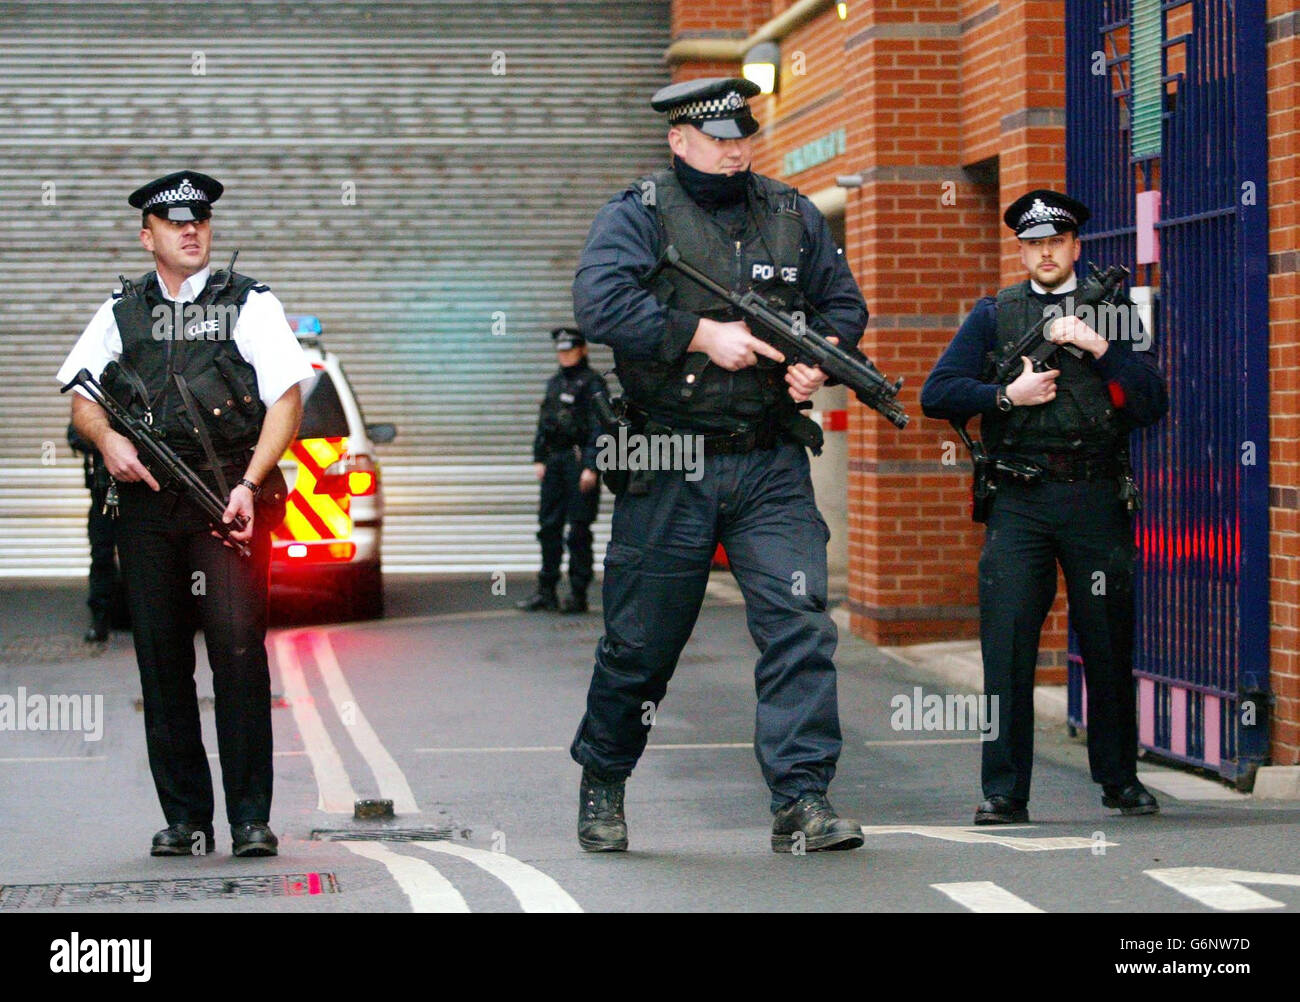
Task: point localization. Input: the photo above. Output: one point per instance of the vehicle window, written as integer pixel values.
(322, 413)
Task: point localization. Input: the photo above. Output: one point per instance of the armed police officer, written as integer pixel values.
(689, 368)
(1064, 494)
(208, 359)
(564, 458)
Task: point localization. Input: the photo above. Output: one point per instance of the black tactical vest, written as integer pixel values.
(763, 255)
(566, 409)
(1081, 419)
(202, 351)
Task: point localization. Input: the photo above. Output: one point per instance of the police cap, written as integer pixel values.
(717, 106)
(1043, 212)
(567, 337)
(181, 196)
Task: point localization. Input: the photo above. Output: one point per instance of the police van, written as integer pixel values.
(329, 542)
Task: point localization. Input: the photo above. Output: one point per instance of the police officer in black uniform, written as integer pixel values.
(690, 367)
(564, 456)
(209, 360)
(1067, 430)
(107, 600)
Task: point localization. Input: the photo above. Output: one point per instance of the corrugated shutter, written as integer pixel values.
(478, 139)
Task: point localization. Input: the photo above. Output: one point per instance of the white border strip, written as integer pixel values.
(336, 794)
(534, 890)
(426, 888)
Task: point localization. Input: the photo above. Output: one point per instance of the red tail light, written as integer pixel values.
(354, 474)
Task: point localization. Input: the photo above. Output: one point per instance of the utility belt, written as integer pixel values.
(1061, 468)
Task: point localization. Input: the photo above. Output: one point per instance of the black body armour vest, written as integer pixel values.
(203, 352)
(1080, 420)
(763, 256)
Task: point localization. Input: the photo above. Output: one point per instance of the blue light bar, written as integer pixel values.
(305, 326)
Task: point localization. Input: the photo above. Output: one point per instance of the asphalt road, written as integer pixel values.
(461, 709)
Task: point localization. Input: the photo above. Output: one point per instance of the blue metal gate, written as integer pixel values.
(1202, 649)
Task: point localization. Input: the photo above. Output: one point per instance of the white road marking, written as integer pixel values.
(391, 780)
(534, 890)
(336, 795)
(1185, 786)
(22, 760)
(1221, 889)
(427, 889)
(950, 833)
(985, 896)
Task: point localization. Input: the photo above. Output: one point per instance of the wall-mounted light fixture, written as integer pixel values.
(761, 65)
(850, 180)
(842, 9)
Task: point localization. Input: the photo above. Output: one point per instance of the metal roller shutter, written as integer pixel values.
(473, 191)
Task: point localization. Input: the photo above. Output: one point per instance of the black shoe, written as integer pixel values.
(539, 600)
(1000, 810)
(601, 824)
(183, 840)
(577, 602)
(253, 838)
(98, 632)
(813, 817)
(1134, 798)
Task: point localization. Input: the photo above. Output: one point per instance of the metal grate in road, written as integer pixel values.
(431, 834)
(14, 897)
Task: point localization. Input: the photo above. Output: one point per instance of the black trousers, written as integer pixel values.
(180, 578)
(1085, 528)
(562, 502)
(761, 507)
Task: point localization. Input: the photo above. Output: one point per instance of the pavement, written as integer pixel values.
(460, 709)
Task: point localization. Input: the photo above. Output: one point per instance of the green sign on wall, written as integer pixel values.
(814, 153)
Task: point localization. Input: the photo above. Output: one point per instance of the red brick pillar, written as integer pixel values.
(1284, 367)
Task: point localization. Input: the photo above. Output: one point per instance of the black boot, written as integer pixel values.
(182, 839)
(601, 824)
(99, 625)
(253, 838)
(811, 824)
(1000, 810)
(542, 599)
(576, 602)
(1132, 798)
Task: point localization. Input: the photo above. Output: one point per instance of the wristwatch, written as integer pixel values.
(1004, 401)
(255, 488)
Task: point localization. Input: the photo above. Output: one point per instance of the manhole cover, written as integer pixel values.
(383, 834)
(140, 892)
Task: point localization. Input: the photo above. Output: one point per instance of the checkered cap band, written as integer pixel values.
(1041, 212)
(725, 106)
(183, 192)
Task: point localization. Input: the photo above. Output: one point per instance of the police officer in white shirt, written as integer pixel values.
(209, 360)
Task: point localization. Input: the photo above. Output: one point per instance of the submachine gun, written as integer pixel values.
(792, 337)
(168, 469)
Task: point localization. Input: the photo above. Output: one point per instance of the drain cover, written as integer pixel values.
(140, 892)
(383, 834)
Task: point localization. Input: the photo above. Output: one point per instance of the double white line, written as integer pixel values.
(336, 793)
(426, 888)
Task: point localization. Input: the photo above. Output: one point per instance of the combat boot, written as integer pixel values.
(811, 824)
(601, 824)
(544, 599)
(575, 603)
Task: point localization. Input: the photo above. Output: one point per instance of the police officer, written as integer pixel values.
(1068, 428)
(689, 367)
(209, 358)
(107, 599)
(564, 458)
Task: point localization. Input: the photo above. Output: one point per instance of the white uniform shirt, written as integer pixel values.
(262, 335)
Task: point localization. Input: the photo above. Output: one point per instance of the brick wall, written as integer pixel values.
(1284, 365)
